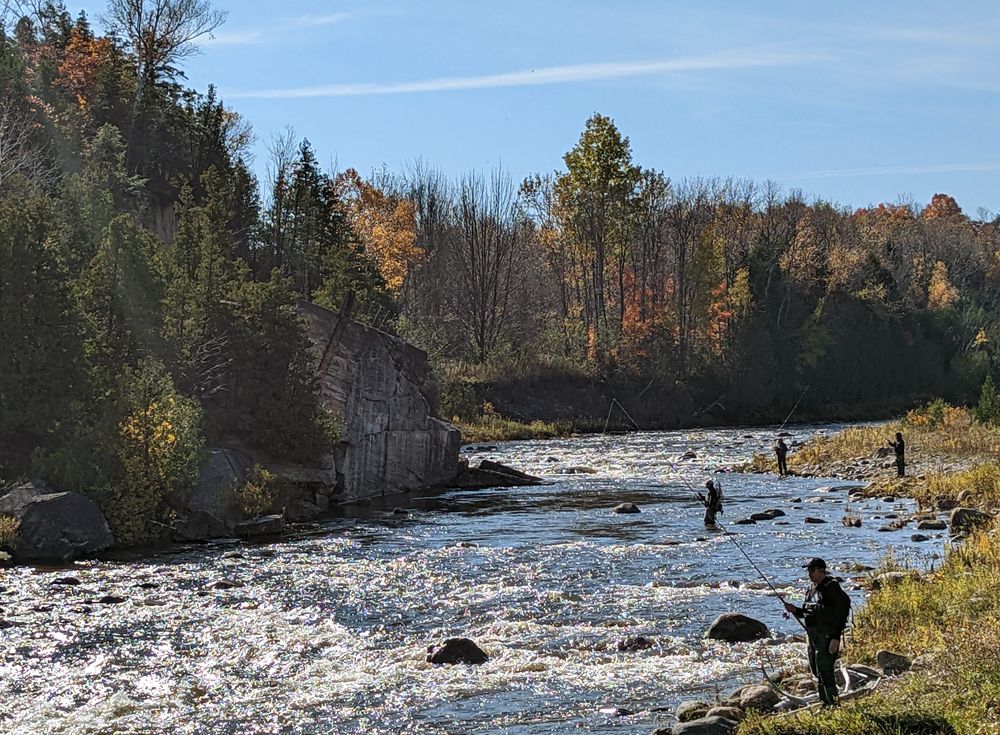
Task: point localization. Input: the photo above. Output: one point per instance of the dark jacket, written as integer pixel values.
(826, 608)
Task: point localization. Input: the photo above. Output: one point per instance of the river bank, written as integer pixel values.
(946, 615)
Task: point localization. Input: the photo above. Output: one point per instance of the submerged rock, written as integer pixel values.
(635, 643)
(737, 628)
(456, 651)
(625, 508)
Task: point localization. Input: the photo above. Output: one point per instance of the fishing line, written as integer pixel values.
(732, 537)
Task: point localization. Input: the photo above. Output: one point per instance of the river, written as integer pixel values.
(329, 631)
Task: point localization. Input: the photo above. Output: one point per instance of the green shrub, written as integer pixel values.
(159, 448)
(256, 495)
(987, 411)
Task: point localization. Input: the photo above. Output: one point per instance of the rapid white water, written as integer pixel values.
(328, 633)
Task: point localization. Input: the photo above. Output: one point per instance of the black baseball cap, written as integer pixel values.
(815, 563)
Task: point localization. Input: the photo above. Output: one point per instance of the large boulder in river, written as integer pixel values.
(456, 651)
(55, 526)
(963, 520)
(736, 628)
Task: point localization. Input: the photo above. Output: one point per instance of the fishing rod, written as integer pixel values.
(732, 537)
(793, 408)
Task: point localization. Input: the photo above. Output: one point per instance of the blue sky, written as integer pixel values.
(854, 102)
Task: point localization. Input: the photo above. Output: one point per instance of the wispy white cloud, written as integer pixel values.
(547, 75)
(251, 36)
(942, 168)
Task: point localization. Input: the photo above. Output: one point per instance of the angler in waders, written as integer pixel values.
(824, 614)
(781, 451)
(713, 503)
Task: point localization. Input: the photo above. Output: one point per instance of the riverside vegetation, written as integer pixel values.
(133, 224)
(948, 616)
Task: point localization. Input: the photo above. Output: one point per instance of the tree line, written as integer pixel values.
(148, 278)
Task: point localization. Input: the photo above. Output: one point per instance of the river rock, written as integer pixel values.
(918, 537)
(775, 512)
(456, 651)
(745, 522)
(892, 663)
(932, 525)
(55, 526)
(704, 726)
(947, 503)
(689, 455)
(889, 499)
(635, 643)
(964, 520)
(730, 713)
(625, 508)
(889, 579)
(761, 516)
(110, 600)
(811, 519)
(691, 710)
(263, 526)
(225, 584)
(66, 581)
(737, 628)
(758, 697)
(200, 524)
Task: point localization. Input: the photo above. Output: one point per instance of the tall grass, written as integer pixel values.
(9, 530)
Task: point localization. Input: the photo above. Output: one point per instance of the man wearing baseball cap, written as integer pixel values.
(824, 614)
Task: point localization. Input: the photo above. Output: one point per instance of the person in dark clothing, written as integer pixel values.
(713, 503)
(900, 447)
(824, 614)
(781, 450)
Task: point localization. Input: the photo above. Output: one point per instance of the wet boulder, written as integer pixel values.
(745, 522)
(635, 643)
(625, 508)
(964, 520)
(811, 519)
(932, 524)
(918, 537)
(263, 526)
(691, 710)
(736, 628)
(730, 713)
(55, 526)
(714, 725)
(456, 651)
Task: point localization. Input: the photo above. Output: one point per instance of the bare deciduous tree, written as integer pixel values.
(489, 234)
(160, 33)
(19, 152)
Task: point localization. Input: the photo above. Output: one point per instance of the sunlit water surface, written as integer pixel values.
(329, 633)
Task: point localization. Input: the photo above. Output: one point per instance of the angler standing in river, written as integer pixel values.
(824, 614)
(713, 503)
(781, 450)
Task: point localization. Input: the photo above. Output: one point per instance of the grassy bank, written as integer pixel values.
(948, 616)
(495, 428)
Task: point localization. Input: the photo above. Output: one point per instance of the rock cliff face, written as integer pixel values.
(376, 383)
